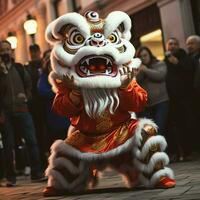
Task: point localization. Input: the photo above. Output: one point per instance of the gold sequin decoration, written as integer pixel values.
(97, 26)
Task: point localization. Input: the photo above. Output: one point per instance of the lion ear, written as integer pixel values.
(57, 29)
(122, 22)
(50, 38)
(65, 29)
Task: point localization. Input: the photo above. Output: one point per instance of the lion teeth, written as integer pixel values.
(83, 69)
(88, 72)
(87, 61)
(107, 61)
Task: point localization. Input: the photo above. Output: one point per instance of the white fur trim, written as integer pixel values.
(156, 176)
(111, 25)
(56, 179)
(58, 53)
(82, 179)
(64, 162)
(51, 78)
(142, 122)
(133, 115)
(61, 146)
(158, 139)
(48, 33)
(158, 156)
(135, 63)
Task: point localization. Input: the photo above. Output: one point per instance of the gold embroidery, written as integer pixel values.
(150, 130)
(99, 145)
(121, 134)
(154, 148)
(158, 166)
(75, 139)
(96, 26)
(103, 123)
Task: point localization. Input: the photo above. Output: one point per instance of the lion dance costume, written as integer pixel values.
(93, 65)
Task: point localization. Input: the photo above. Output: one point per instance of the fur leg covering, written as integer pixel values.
(149, 157)
(66, 172)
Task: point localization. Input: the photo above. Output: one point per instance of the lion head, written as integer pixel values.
(93, 51)
(90, 49)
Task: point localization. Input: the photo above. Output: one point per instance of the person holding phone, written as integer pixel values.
(179, 82)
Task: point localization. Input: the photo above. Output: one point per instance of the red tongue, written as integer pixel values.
(102, 67)
(92, 67)
(98, 68)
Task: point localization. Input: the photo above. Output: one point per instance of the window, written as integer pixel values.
(147, 30)
(153, 40)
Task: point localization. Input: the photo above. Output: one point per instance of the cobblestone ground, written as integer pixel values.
(111, 187)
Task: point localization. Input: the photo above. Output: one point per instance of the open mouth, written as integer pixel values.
(94, 65)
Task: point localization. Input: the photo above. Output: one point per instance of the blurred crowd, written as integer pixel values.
(173, 87)
(28, 126)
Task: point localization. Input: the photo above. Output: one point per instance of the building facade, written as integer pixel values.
(154, 21)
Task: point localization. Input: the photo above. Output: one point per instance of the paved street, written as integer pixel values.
(111, 187)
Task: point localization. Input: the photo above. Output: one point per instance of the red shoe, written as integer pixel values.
(51, 191)
(165, 183)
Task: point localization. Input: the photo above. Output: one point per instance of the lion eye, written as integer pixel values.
(114, 38)
(75, 37)
(78, 39)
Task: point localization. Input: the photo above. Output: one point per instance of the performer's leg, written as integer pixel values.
(124, 165)
(130, 175)
(65, 172)
(149, 157)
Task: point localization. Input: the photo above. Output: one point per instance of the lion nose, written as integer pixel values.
(97, 40)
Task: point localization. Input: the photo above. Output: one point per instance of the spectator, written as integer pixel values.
(17, 85)
(56, 125)
(35, 103)
(2, 120)
(193, 46)
(151, 77)
(179, 82)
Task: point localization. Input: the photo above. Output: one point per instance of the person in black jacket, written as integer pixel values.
(193, 47)
(2, 119)
(14, 102)
(36, 106)
(179, 82)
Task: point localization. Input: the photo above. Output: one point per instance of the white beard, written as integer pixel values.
(96, 101)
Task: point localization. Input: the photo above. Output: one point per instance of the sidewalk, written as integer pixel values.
(111, 187)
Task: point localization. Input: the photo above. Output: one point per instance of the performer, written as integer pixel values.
(93, 76)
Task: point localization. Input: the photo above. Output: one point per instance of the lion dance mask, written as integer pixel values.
(93, 75)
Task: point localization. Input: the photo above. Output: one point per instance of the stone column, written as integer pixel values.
(21, 52)
(176, 18)
(42, 24)
(50, 11)
(63, 7)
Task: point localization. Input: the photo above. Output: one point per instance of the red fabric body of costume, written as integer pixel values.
(103, 133)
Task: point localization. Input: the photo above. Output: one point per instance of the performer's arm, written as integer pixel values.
(67, 102)
(133, 97)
